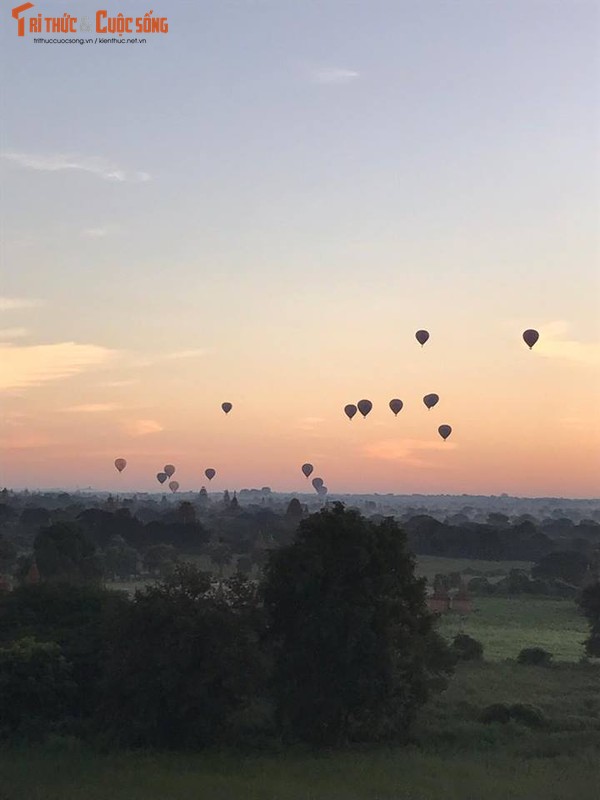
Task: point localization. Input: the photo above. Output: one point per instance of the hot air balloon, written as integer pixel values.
(350, 410)
(173, 486)
(444, 431)
(317, 483)
(530, 337)
(210, 473)
(226, 407)
(396, 406)
(364, 406)
(120, 464)
(307, 469)
(169, 469)
(161, 477)
(421, 337)
(430, 400)
(322, 490)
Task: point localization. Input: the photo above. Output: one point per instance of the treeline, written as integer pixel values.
(123, 534)
(499, 539)
(116, 543)
(335, 645)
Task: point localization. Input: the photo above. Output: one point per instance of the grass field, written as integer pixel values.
(385, 775)
(459, 758)
(505, 625)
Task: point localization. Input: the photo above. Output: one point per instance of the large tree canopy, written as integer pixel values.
(355, 653)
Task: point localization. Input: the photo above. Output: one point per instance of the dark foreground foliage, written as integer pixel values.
(337, 645)
(355, 653)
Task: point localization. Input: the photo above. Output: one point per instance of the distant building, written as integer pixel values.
(33, 575)
(461, 602)
(439, 601)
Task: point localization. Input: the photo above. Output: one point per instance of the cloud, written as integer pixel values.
(92, 408)
(309, 423)
(117, 384)
(185, 354)
(94, 233)
(27, 440)
(143, 427)
(8, 334)
(174, 356)
(95, 165)
(554, 344)
(32, 366)
(334, 75)
(15, 419)
(18, 303)
(406, 451)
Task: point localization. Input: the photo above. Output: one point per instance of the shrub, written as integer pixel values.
(497, 712)
(523, 713)
(528, 715)
(466, 648)
(536, 656)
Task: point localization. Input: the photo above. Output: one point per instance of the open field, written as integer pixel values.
(459, 758)
(426, 567)
(429, 566)
(505, 625)
(385, 775)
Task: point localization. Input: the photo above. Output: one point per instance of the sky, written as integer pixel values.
(262, 206)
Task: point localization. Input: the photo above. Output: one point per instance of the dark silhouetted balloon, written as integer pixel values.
(317, 483)
(210, 473)
(307, 469)
(364, 406)
(350, 410)
(173, 486)
(530, 337)
(120, 464)
(322, 490)
(396, 406)
(421, 337)
(430, 400)
(169, 469)
(161, 477)
(444, 431)
(226, 407)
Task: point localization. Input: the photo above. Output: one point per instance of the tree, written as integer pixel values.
(567, 565)
(8, 553)
(119, 559)
(354, 649)
(221, 554)
(35, 688)
(63, 553)
(183, 663)
(160, 558)
(35, 517)
(589, 603)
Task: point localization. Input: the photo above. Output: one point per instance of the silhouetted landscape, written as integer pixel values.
(260, 629)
